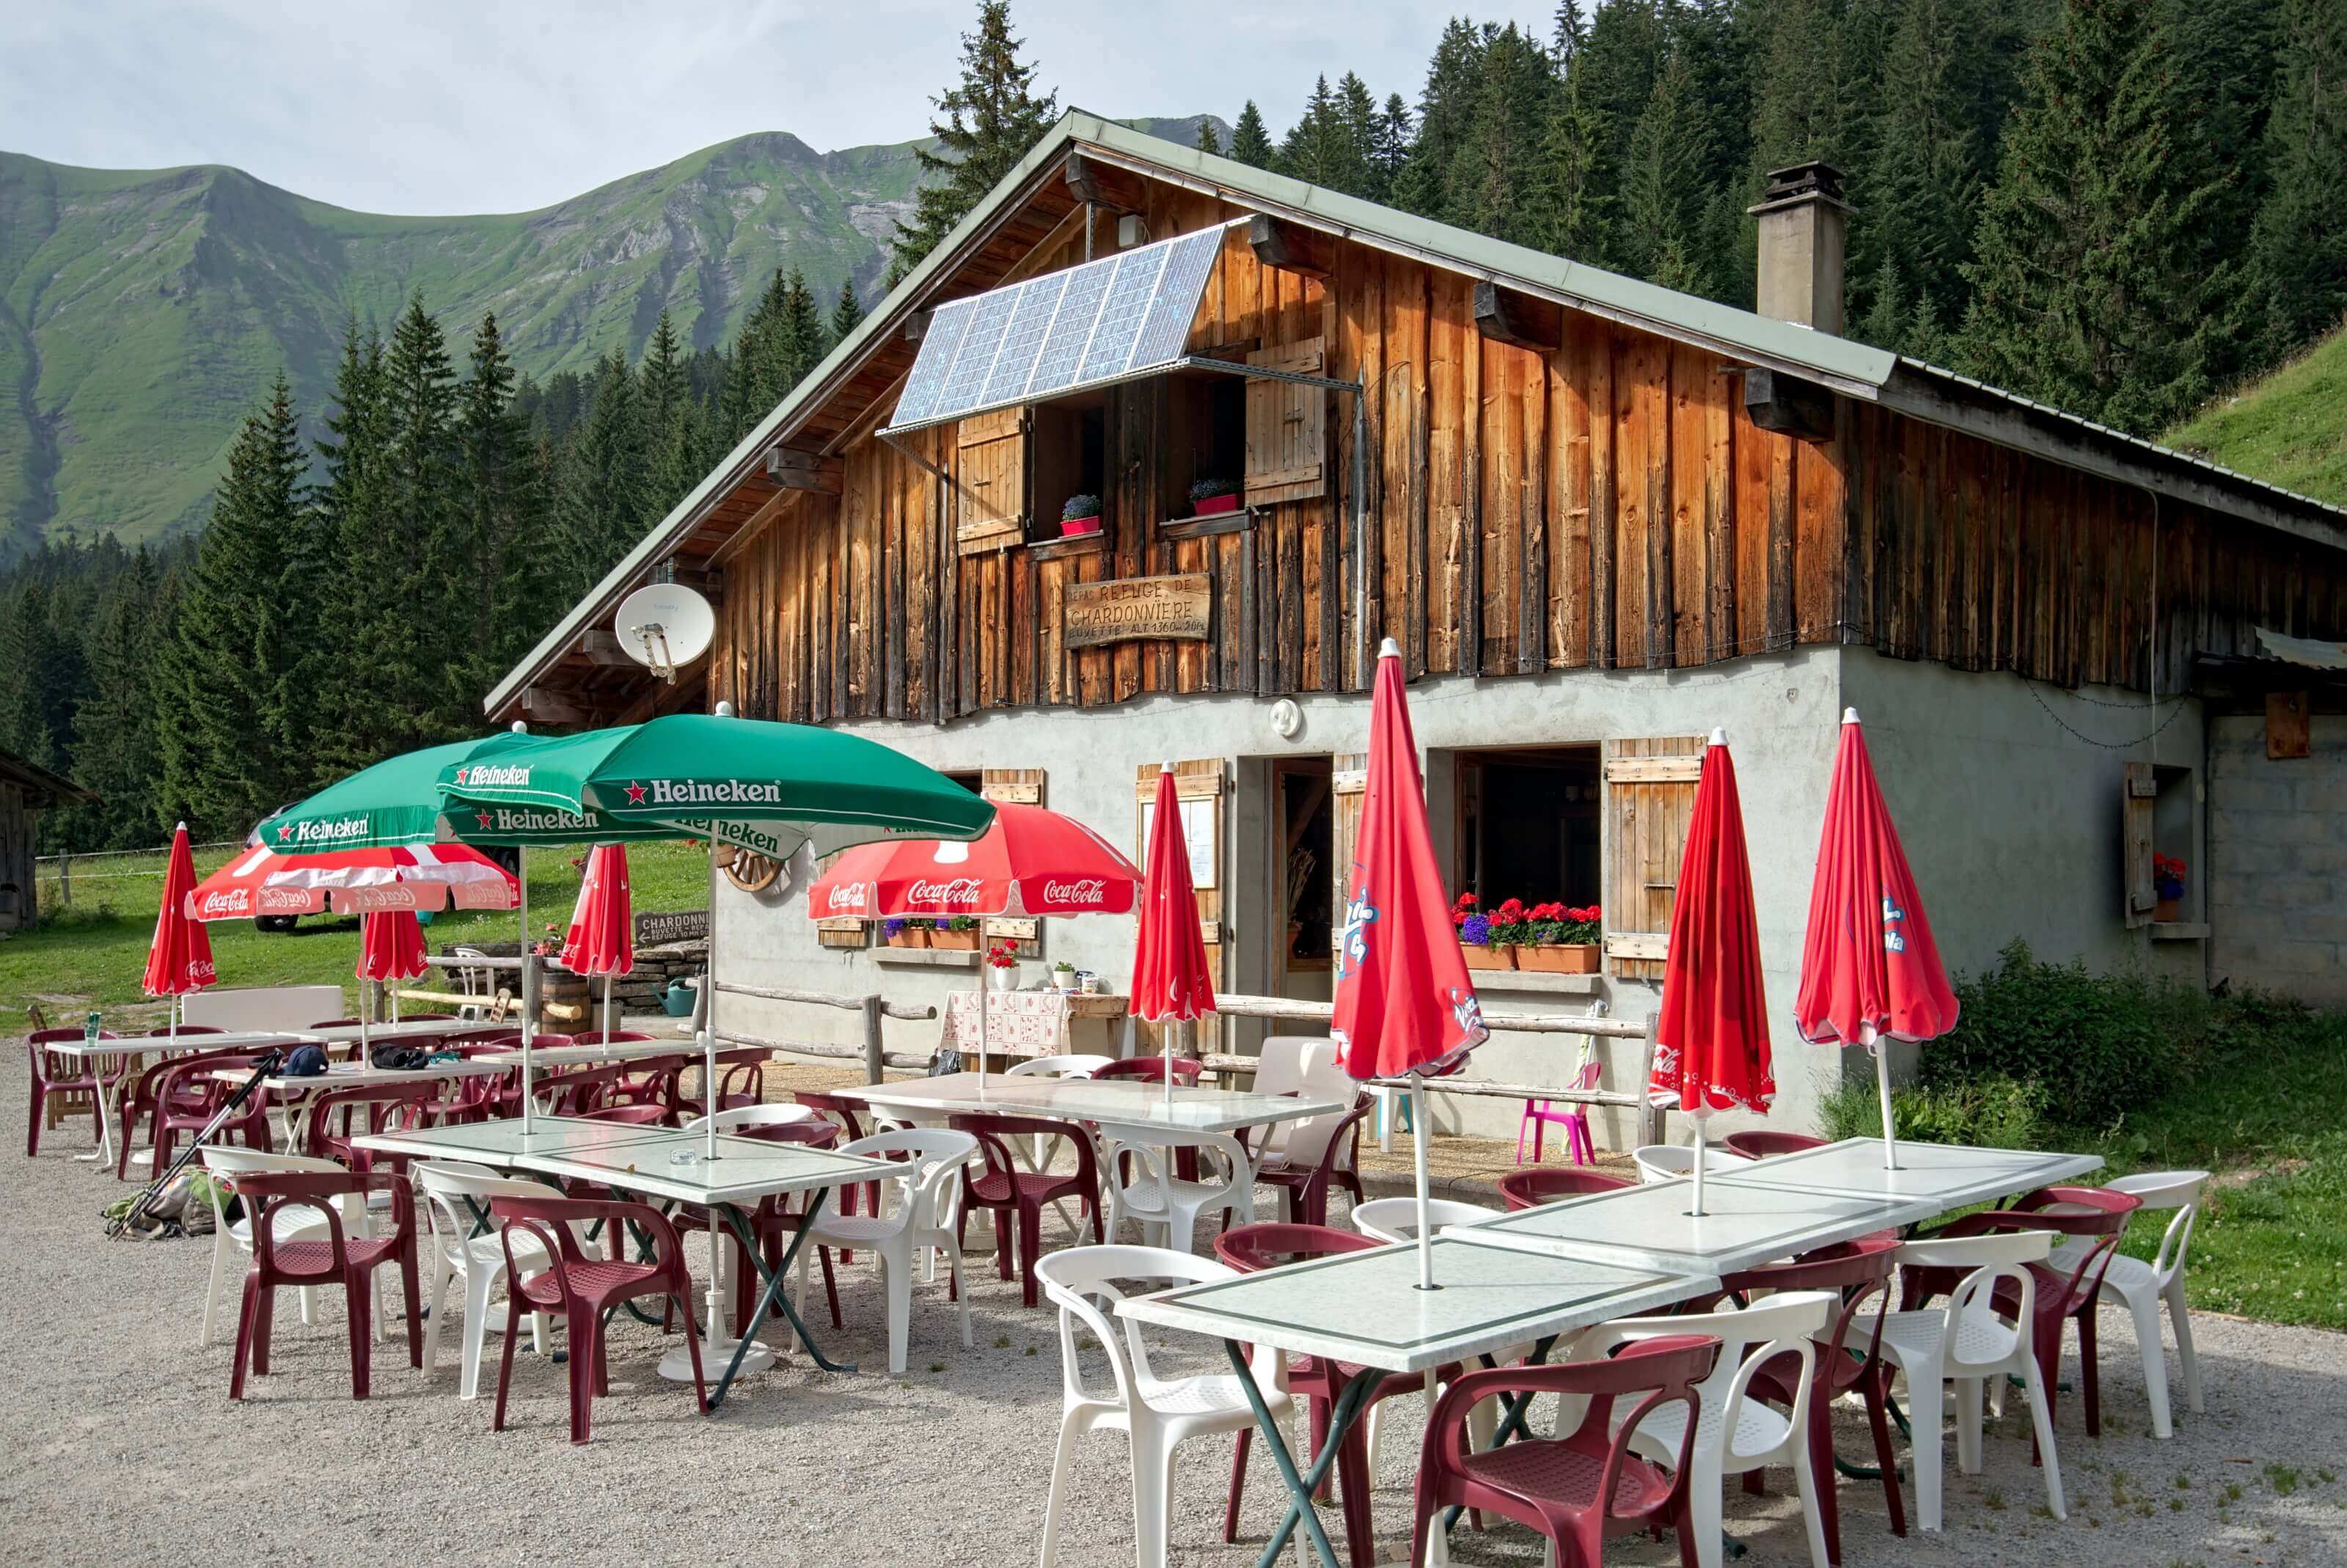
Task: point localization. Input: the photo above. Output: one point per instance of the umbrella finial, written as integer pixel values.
(724, 710)
(1165, 767)
(1719, 734)
(519, 726)
(1389, 649)
(1849, 715)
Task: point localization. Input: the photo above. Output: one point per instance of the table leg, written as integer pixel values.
(1351, 1403)
(104, 1154)
(777, 1295)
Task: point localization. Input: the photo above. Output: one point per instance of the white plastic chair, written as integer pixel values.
(1055, 1067)
(2143, 1286)
(1965, 1341)
(1734, 1433)
(224, 1165)
(1669, 1162)
(1163, 1204)
(764, 1114)
(928, 1187)
(1157, 1414)
(1396, 1219)
(456, 1252)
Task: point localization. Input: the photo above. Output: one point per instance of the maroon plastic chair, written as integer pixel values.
(775, 1222)
(165, 1032)
(190, 1097)
(361, 1109)
(1152, 1069)
(583, 1291)
(632, 1115)
(62, 1077)
(741, 1080)
(617, 1036)
(338, 1260)
(1251, 1249)
(1007, 1190)
(187, 1098)
(1760, 1145)
(1536, 1185)
(1858, 1271)
(581, 1090)
(1304, 1189)
(2095, 1212)
(1581, 1488)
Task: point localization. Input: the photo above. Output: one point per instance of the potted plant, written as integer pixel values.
(2167, 884)
(1563, 940)
(1081, 516)
(1063, 976)
(1002, 966)
(899, 932)
(1209, 496)
(1475, 937)
(956, 933)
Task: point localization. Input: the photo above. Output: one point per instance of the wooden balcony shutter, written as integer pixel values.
(2136, 827)
(1287, 427)
(1017, 787)
(1649, 795)
(990, 480)
(1192, 781)
(1348, 782)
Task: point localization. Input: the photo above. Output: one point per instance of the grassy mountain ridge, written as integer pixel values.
(141, 311)
(2289, 427)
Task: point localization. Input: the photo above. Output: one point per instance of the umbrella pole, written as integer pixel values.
(607, 1010)
(1873, 1043)
(528, 1040)
(1701, 1118)
(709, 1069)
(1419, 1132)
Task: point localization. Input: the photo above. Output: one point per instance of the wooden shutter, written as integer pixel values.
(1349, 783)
(1015, 786)
(990, 480)
(1649, 795)
(1192, 781)
(2136, 823)
(1287, 427)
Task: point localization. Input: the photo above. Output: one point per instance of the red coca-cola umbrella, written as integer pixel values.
(1870, 970)
(391, 948)
(602, 938)
(1404, 1005)
(1031, 862)
(1171, 979)
(1711, 1039)
(353, 882)
(180, 959)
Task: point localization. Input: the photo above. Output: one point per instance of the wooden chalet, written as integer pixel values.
(1599, 517)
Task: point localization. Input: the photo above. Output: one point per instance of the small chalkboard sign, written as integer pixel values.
(655, 927)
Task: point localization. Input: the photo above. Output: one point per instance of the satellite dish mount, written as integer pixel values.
(665, 627)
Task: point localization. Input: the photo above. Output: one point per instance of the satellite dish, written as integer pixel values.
(664, 626)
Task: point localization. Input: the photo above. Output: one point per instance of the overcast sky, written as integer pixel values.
(497, 105)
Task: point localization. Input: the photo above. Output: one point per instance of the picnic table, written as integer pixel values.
(670, 1166)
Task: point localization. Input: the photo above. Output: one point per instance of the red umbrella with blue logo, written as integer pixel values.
(1404, 1005)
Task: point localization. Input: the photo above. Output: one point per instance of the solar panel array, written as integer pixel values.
(1106, 319)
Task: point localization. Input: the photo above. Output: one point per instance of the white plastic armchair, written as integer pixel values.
(1162, 1204)
(926, 1186)
(764, 1114)
(1396, 1219)
(466, 1245)
(2143, 1286)
(1056, 1067)
(1669, 1162)
(1733, 1432)
(1966, 1340)
(1157, 1414)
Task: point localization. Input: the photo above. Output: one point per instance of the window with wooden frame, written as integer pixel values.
(1286, 427)
(1649, 797)
(2159, 834)
(1199, 786)
(1206, 431)
(1017, 787)
(1017, 467)
(1527, 825)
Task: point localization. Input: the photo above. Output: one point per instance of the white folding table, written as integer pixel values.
(1366, 1308)
(1118, 1102)
(1653, 1225)
(1945, 1175)
(86, 1051)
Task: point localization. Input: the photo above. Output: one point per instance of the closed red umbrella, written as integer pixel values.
(180, 959)
(1031, 862)
(602, 938)
(1170, 976)
(391, 948)
(1711, 1039)
(1869, 968)
(1404, 1005)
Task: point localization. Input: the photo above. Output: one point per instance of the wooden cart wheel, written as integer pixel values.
(753, 873)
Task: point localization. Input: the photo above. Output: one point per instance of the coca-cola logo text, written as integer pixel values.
(961, 890)
(217, 904)
(1084, 890)
(849, 895)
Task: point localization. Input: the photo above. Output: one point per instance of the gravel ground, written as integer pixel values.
(125, 1447)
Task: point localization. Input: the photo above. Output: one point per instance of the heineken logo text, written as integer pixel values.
(493, 776)
(711, 792)
(509, 819)
(322, 831)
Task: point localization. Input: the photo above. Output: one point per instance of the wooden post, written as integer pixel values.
(871, 1005)
(64, 879)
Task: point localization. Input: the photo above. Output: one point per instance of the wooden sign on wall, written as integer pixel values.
(1167, 608)
(655, 927)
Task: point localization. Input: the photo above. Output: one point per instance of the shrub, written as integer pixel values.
(2086, 1047)
(1994, 1114)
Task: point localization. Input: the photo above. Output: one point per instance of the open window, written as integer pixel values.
(1017, 787)
(1526, 824)
(1206, 428)
(2160, 855)
(1649, 797)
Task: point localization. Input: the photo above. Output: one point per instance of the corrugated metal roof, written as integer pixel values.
(2303, 650)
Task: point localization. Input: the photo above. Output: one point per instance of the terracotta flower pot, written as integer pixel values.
(1077, 527)
(2169, 911)
(911, 936)
(1215, 504)
(955, 941)
(1488, 957)
(1559, 957)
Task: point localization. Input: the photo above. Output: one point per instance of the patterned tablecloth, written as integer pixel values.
(1018, 1023)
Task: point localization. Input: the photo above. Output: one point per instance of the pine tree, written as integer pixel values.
(1570, 203)
(1922, 195)
(1396, 130)
(415, 705)
(1357, 112)
(1250, 143)
(604, 499)
(1325, 149)
(28, 697)
(991, 119)
(1567, 36)
(671, 437)
(359, 556)
(2088, 292)
(1495, 164)
(847, 312)
(1661, 234)
(504, 511)
(116, 725)
(799, 343)
(229, 747)
(1446, 112)
(2301, 247)
(1208, 142)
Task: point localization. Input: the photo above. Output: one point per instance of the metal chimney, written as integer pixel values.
(1804, 227)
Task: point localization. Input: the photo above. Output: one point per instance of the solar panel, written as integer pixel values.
(1064, 330)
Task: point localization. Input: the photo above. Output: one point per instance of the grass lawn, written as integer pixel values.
(92, 955)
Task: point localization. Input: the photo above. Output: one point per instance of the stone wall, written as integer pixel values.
(2278, 861)
(636, 992)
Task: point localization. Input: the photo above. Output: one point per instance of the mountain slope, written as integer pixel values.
(141, 311)
(2289, 427)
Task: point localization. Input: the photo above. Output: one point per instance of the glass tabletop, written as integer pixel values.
(745, 1169)
(1366, 1307)
(1949, 1176)
(1653, 1225)
(1124, 1101)
(502, 1141)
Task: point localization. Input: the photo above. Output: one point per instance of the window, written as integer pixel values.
(1307, 855)
(1017, 787)
(1018, 466)
(1527, 825)
(2161, 824)
(1207, 437)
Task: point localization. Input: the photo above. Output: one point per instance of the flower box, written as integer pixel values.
(1209, 506)
(1079, 528)
(1483, 958)
(955, 941)
(1559, 957)
(911, 935)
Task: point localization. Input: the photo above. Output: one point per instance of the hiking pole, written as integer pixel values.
(263, 1067)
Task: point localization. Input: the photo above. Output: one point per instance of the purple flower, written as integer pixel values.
(1476, 931)
(893, 927)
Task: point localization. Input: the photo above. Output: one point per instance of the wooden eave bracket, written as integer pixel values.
(1102, 184)
(1290, 247)
(541, 706)
(1789, 405)
(1506, 315)
(795, 469)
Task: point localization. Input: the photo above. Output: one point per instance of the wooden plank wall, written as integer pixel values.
(1608, 505)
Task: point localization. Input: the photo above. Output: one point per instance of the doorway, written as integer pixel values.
(1302, 845)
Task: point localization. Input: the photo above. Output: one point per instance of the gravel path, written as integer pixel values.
(123, 1445)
